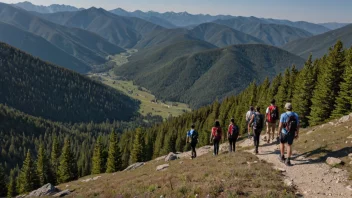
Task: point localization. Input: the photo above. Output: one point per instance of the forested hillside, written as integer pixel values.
(21, 133)
(187, 78)
(41, 89)
(26, 41)
(319, 45)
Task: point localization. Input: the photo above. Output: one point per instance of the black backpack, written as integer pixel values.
(291, 124)
(258, 121)
(194, 137)
(274, 114)
(234, 132)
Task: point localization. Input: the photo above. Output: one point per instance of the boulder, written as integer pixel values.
(46, 190)
(170, 157)
(162, 167)
(160, 158)
(62, 193)
(134, 166)
(332, 161)
(345, 118)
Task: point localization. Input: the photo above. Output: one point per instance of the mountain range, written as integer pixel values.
(187, 78)
(46, 9)
(319, 45)
(85, 46)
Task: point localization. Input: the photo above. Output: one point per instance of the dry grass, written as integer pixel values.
(325, 141)
(226, 175)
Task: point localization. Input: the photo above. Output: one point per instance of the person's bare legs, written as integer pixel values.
(268, 131)
(282, 149)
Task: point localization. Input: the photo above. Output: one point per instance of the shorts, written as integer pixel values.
(287, 138)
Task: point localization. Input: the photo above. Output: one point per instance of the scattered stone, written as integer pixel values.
(170, 157)
(62, 193)
(336, 170)
(160, 158)
(331, 123)
(349, 137)
(332, 161)
(134, 166)
(91, 179)
(45, 190)
(288, 182)
(279, 169)
(162, 167)
(181, 162)
(344, 119)
(309, 132)
(350, 162)
(349, 187)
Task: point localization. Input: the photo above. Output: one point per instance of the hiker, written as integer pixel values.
(257, 122)
(232, 135)
(288, 129)
(215, 136)
(248, 118)
(192, 138)
(272, 115)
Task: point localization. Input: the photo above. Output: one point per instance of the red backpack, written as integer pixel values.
(273, 114)
(216, 133)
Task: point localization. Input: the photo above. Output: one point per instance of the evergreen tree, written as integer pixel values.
(327, 89)
(42, 166)
(98, 160)
(54, 160)
(28, 178)
(2, 181)
(11, 188)
(67, 170)
(137, 149)
(283, 90)
(344, 99)
(114, 157)
(303, 91)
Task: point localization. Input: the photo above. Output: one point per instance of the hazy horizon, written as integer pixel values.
(299, 10)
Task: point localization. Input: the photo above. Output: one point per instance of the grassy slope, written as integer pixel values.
(327, 140)
(222, 176)
(319, 45)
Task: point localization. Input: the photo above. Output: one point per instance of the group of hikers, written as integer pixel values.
(288, 130)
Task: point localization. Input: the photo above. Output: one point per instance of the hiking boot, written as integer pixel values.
(282, 159)
(288, 162)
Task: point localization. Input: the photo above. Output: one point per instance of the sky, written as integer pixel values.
(317, 11)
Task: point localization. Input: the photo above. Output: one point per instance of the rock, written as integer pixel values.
(279, 169)
(349, 187)
(336, 170)
(170, 157)
(160, 158)
(288, 182)
(331, 123)
(134, 166)
(344, 119)
(349, 137)
(224, 147)
(47, 189)
(332, 161)
(91, 179)
(181, 162)
(246, 143)
(162, 167)
(62, 193)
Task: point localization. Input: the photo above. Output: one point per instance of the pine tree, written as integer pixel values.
(327, 89)
(54, 160)
(42, 166)
(282, 93)
(303, 92)
(11, 188)
(28, 178)
(137, 149)
(67, 170)
(114, 157)
(3, 188)
(97, 159)
(344, 99)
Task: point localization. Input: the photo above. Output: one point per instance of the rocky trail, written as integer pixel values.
(310, 177)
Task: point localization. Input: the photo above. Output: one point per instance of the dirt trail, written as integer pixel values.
(311, 178)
